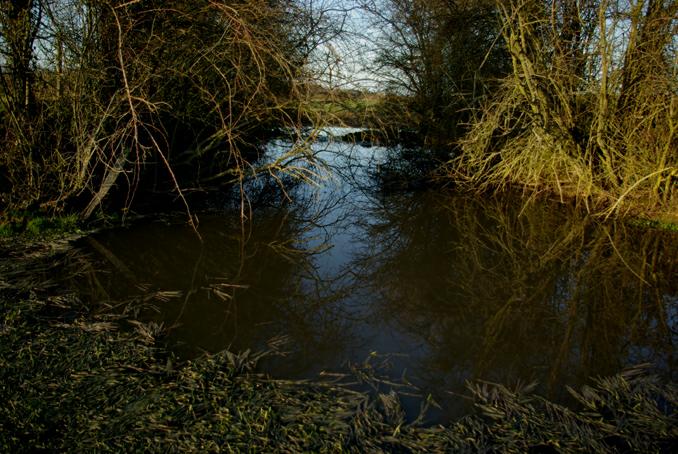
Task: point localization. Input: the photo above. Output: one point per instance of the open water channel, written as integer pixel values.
(434, 287)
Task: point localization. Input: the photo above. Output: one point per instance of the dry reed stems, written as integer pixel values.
(577, 119)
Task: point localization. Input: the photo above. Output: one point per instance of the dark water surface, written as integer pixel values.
(450, 288)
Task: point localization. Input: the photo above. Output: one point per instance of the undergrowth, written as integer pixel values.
(587, 114)
(34, 225)
(654, 224)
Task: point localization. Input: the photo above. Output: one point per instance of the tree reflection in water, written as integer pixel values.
(458, 288)
(229, 292)
(503, 292)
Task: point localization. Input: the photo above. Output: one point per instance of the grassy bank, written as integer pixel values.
(35, 225)
(655, 224)
(77, 378)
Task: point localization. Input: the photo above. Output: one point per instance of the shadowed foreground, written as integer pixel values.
(76, 379)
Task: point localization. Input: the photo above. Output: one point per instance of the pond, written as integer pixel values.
(432, 287)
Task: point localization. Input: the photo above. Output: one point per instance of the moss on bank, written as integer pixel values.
(74, 379)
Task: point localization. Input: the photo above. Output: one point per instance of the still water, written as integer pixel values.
(439, 288)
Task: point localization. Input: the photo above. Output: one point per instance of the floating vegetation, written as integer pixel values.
(74, 380)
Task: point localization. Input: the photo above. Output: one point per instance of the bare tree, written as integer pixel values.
(443, 55)
(122, 90)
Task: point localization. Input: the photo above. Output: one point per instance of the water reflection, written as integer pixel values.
(497, 291)
(230, 291)
(460, 288)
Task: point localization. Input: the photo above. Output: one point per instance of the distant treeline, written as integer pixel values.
(99, 98)
(574, 97)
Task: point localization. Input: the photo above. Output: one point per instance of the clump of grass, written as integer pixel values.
(61, 224)
(654, 224)
(33, 225)
(5, 230)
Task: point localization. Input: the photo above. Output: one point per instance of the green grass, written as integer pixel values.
(6, 230)
(654, 224)
(37, 226)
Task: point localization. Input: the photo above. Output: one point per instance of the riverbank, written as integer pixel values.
(412, 166)
(77, 377)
